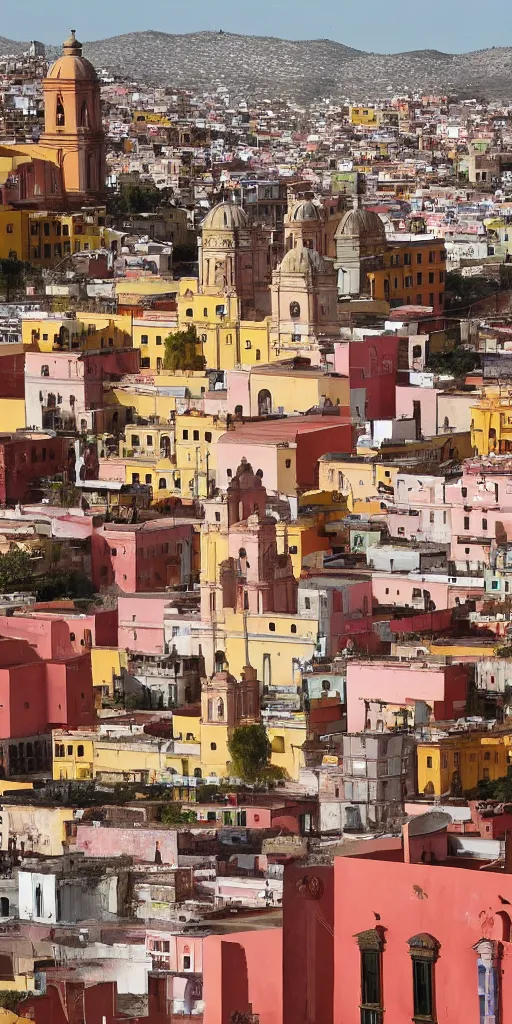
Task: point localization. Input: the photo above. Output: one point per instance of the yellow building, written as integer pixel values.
(365, 117)
(84, 331)
(42, 830)
(225, 340)
(196, 436)
(359, 478)
(458, 762)
(73, 754)
(291, 388)
(491, 422)
(156, 399)
(107, 662)
(45, 237)
(149, 334)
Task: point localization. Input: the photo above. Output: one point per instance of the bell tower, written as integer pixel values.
(72, 124)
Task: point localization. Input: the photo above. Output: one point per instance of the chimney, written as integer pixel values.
(405, 843)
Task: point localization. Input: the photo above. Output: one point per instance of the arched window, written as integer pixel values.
(60, 116)
(220, 709)
(210, 709)
(294, 310)
(424, 951)
(239, 410)
(162, 484)
(84, 115)
(258, 355)
(264, 403)
(189, 312)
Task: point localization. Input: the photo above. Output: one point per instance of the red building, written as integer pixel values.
(12, 373)
(36, 694)
(371, 364)
(25, 458)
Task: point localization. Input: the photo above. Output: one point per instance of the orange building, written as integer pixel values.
(66, 168)
(411, 272)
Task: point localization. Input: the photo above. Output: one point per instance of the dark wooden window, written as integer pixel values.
(371, 945)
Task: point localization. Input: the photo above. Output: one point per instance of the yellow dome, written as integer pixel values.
(72, 66)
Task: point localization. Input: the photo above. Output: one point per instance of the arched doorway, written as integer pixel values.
(264, 403)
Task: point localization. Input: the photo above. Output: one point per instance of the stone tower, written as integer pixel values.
(234, 256)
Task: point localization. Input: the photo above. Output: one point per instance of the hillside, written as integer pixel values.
(302, 70)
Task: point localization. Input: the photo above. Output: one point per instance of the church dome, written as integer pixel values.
(302, 260)
(303, 210)
(359, 223)
(225, 217)
(72, 66)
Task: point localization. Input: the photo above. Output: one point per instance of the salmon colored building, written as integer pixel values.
(36, 693)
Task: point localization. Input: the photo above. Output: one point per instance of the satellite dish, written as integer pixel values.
(427, 824)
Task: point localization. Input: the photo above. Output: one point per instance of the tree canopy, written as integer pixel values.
(15, 570)
(458, 362)
(250, 752)
(181, 351)
(137, 198)
(496, 789)
(12, 274)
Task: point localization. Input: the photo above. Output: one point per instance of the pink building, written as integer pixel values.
(442, 687)
(143, 556)
(419, 403)
(286, 451)
(147, 845)
(141, 622)
(65, 389)
(422, 591)
(59, 630)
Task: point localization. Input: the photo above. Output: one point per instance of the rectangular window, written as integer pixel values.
(370, 979)
(423, 988)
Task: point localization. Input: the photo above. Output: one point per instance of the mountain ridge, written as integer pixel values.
(304, 70)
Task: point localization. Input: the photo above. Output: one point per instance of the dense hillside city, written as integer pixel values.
(255, 565)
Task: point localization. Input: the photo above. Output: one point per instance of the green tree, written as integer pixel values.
(63, 583)
(12, 273)
(250, 752)
(496, 789)
(181, 351)
(15, 570)
(10, 999)
(173, 814)
(458, 362)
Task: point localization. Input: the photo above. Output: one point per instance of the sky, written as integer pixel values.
(454, 26)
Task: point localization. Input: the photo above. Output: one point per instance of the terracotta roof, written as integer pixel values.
(281, 431)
